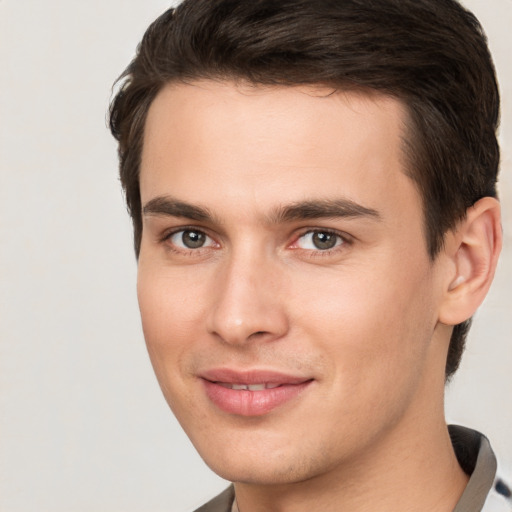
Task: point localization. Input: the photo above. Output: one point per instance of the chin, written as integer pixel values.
(257, 475)
(266, 467)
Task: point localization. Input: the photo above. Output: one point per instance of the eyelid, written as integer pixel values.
(345, 238)
(169, 232)
(167, 235)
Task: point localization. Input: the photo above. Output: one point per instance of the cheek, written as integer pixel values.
(169, 312)
(371, 324)
(170, 304)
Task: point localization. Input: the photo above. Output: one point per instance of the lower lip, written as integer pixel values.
(252, 403)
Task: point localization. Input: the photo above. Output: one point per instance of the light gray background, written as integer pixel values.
(83, 425)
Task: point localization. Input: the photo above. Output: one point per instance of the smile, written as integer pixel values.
(251, 393)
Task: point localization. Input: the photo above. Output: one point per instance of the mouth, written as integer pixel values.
(247, 387)
(252, 393)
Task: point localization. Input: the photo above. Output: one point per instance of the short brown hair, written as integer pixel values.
(430, 54)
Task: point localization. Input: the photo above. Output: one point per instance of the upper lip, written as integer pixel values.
(253, 376)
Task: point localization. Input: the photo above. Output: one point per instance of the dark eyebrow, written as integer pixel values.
(322, 209)
(168, 206)
(304, 210)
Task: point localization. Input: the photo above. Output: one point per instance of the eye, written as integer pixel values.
(190, 239)
(319, 240)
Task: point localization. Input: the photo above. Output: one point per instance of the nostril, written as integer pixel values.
(258, 334)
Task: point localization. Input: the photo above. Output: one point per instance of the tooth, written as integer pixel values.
(249, 387)
(256, 387)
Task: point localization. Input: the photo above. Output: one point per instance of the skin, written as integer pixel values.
(368, 321)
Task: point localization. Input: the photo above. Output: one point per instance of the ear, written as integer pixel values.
(472, 250)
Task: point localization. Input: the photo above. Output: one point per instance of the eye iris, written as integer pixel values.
(193, 239)
(323, 240)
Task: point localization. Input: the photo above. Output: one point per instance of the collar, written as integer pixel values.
(477, 459)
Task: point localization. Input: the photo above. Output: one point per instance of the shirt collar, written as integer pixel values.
(477, 459)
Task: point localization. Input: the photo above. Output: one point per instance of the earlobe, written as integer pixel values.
(476, 245)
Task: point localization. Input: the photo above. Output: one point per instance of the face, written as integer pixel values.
(287, 298)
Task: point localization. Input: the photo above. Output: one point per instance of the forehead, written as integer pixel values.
(258, 144)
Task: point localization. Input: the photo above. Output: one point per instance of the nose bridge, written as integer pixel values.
(246, 302)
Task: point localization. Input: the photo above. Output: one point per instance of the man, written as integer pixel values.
(312, 188)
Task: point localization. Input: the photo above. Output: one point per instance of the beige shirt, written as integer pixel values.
(476, 458)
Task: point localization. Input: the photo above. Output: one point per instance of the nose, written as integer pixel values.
(248, 303)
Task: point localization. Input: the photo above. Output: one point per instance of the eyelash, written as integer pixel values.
(166, 237)
(345, 239)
